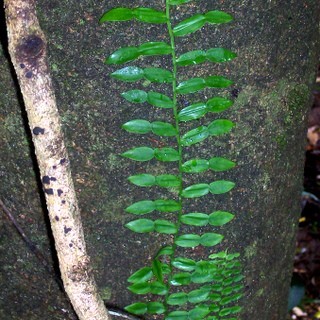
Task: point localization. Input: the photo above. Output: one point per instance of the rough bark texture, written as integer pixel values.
(27, 47)
(277, 48)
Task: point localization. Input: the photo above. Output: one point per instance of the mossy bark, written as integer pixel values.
(277, 50)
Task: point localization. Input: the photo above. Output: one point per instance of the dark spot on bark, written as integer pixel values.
(30, 49)
(54, 167)
(66, 230)
(46, 180)
(62, 161)
(60, 192)
(70, 245)
(29, 74)
(53, 179)
(38, 130)
(49, 191)
(235, 93)
(22, 65)
(63, 201)
(56, 218)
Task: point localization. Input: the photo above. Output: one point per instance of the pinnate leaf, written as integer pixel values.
(163, 205)
(158, 75)
(137, 308)
(196, 190)
(188, 240)
(154, 48)
(128, 74)
(217, 17)
(210, 239)
(178, 315)
(194, 111)
(135, 96)
(220, 164)
(155, 308)
(177, 2)
(166, 154)
(191, 57)
(194, 136)
(163, 129)
(143, 180)
(139, 154)
(137, 126)
(195, 165)
(123, 55)
(221, 186)
(220, 55)
(168, 181)
(199, 295)
(159, 100)
(158, 288)
(184, 264)
(195, 219)
(177, 299)
(218, 82)
(149, 15)
(218, 104)
(220, 126)
(140, 287)
(164, 226)
(141, 207)
(141, 225)
(180, 279)
(142, 275)
(117, 14)
(157, 269)
(191, 85)
(189, 25)
(219, 218)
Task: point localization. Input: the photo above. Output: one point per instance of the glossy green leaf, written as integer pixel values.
(221, 186)
(166, 154)
(135, 96)
(163, 129)
(141, 207)
(195, 219)
(117, 14)
(128, 74)
(218, 82)
(168, 181)
(199, 312)
(218, 104)
(123, 55)
(154, 48)
(168, 250)
(189, 25)
(194, 136)
(178, 315)
(177, 2)
(230, 310)
(158, 288)
(177, 299)
(164, 226)
(142, 275)
(191, 85)
(195, 165)
(157, 269)
(194, 111)
(137, 126)
(217, 17)
(167, 205)
(149, 15)
(140, 288)
(199, 277)
(221, 164)
(137, 308)
(219, 218)
(220, 126)
(156, 308)
(159, 100)
(143, 180)
(184, 264)
(210, 239)
(191, 57)
(220, 55)
(139, 154)
(158, 75)
(188, 240)
(180, 279)
(195, 191)
(141, 225)
(199, 295)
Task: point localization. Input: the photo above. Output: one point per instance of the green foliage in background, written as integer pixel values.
(177, 286)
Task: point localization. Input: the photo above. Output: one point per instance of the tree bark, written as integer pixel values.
(27, 47)
(277, 43)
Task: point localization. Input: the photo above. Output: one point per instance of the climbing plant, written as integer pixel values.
(184, 288)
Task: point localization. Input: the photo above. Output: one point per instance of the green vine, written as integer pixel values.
(185, 288)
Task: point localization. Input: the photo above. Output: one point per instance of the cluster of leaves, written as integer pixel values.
(186, 289)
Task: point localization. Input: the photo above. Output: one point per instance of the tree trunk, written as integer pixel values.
(277, 48)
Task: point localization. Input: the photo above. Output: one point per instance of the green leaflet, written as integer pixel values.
(197, 21)
(217, 280)
(127, 54)
(132, 74)
(142, 14)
